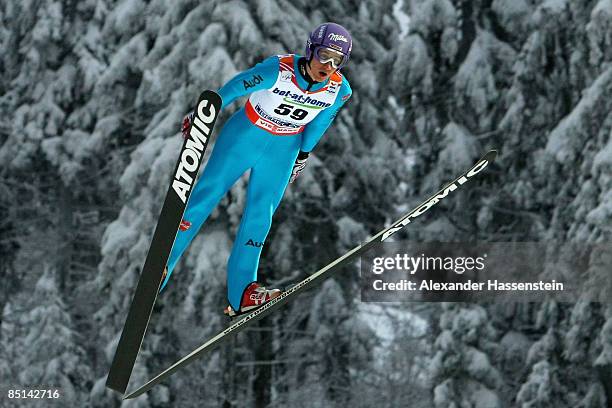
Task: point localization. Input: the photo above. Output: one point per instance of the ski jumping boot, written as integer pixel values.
(253, 297)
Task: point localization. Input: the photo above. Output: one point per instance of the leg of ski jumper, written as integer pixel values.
(228, 161)
(268, 180)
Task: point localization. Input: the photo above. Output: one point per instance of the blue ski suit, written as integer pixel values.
(243, 144)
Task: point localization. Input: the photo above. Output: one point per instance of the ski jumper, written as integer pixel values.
(279, 119)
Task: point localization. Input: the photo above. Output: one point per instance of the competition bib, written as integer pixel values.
(285, 108)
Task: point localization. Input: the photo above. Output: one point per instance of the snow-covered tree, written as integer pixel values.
(461, 368)
(43, 346)
(91, 98)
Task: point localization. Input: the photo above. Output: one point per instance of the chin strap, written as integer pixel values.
(302, 65)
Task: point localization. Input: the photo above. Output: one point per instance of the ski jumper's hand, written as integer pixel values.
(187, 124)
(300, 163)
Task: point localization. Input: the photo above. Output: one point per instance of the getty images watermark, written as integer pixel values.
(403, 271)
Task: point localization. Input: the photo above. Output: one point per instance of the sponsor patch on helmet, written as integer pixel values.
(335, 47)
(322, 30)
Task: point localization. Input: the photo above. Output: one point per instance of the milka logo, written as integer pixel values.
(193, 149)
(435, 199)
(338, 37)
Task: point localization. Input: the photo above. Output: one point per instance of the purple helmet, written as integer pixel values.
(332, 36)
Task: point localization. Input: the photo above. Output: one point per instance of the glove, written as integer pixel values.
(299, 165)
(187, 120)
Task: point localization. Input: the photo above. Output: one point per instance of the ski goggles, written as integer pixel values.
(325, 55)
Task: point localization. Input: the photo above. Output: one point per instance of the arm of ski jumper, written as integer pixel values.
(261, 76)
(315, 129)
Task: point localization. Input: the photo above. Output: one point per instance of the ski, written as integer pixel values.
(184, 175)
(321, 274)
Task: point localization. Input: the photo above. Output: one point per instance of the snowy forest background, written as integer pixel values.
(91, 98)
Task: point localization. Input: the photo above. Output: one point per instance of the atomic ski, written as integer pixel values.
(321, 274)
(184, 175)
